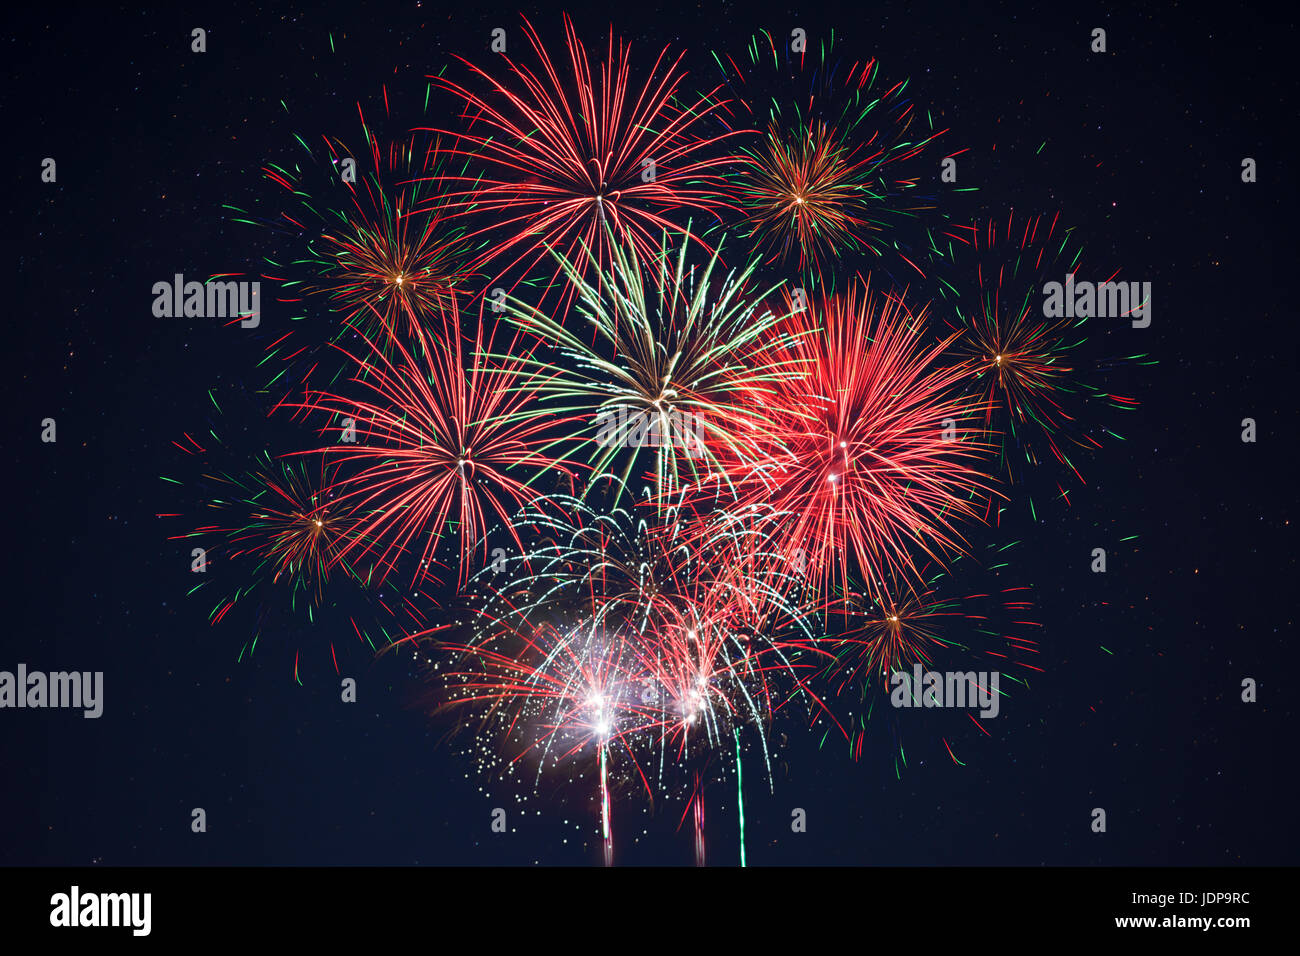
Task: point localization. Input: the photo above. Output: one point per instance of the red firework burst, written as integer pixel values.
(556, 169)
(291, 529)
(872, 454)
(433, 441)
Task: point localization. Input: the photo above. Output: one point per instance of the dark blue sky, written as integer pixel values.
(1142, 153)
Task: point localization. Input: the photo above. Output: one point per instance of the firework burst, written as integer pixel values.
(873, 453)
(680, 370)
(369, 236)
(678, 654)
(562, 158)
(273, 539)
(722, 505)
(931, 625)
(432, 442)
(1032, 373)
(835, 168)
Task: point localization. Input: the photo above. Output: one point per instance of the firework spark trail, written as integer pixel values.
(697, 803)
(604, 808)
(740, 799)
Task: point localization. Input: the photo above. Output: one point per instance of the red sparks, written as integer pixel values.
(561, 155)
(431, 443)
(872, 453)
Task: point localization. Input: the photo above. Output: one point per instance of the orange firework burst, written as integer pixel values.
(805, 195)
(1031, 371)
(836, 165)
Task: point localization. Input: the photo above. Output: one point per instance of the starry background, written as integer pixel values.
(1141, 148)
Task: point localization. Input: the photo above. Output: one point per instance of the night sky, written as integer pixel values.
(1139, 709)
